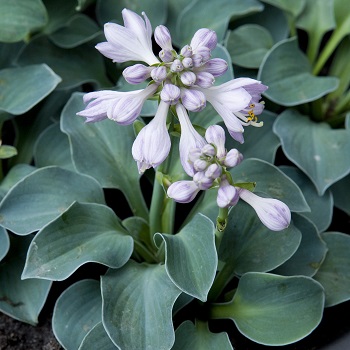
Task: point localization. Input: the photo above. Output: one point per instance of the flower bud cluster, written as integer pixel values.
(191, 68)
(209, 164)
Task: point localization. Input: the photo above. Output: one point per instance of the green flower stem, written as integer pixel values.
(221, 311)
(221, 223)
(156, 210)
(138, 205)
(168, 216)
(313, 47)
(222, 278)
(331, 45)
(343, 105)
(142, 251)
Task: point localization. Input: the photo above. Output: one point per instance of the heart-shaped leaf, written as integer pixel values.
(271, 181)
(79, 30)
(334, 273)
(315, 148)
(22, 300)
(103, 151)
(197, 336)
(70, 64)
(97, 338)
(214, 15)
(19, 18)
(190, 257)
(137, 304)
(248, 245)
(52, 148)
(44, 195)
(248, 44)
(321, 207)
(77, 311)
(84, 233)
(270, 309)
(17, 93)
(287, 73)
(293, 7)
(311, 251)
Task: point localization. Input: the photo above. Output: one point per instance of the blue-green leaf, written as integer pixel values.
(44, 195)
(52, 148)
(84, 233)
(137, 304)
(19, 18)
(293, 7)
(4, 243)
(271, 309)
(78, 30)
(20, 90)
(197, 336)
(271, 181)
(248, 245)
(321, 206)
(77, 311)
(287, 73)
(341, 197)
(334, 274)
(97, 338)
(191, 259)
(311, 251)
(315, 148)
(111, 10)
(22, 300)
(248, 44)
(71, 65)
(214, 15)
(103, 151)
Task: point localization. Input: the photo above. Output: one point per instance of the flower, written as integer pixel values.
(273, 213)
(185, 80)
(227, 195)
(189, 139)
(133, 42)
(152, 144)
(183, 191)
(122, 107)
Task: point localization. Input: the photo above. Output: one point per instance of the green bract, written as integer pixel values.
(140, 271)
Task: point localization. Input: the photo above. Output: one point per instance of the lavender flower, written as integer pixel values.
(185, 80)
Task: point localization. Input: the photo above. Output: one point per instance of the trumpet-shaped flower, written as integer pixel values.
(133, 42)
(273, 213)
(152, 144)
(189, 139)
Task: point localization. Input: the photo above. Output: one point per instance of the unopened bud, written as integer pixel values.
(170, 94)
(204, 37)
(183, 191)
(202, 181)
(204, 79)
(162, 37)
(166, 55)
(213, 171)
(200, 165)
(193, 100)
(186, 51)
(176, 66)
(137, 73)
(215, 66)
(158, 74)
(233, 158)
(209, 150)
(188, 78)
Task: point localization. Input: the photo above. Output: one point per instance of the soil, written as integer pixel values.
(16, 335)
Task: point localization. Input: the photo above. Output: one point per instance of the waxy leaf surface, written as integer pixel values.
(316, 148)
(4, 243)
(97, 338)
(190, 257)
(137, 304)
(43, 196)
(84, 233)
(77, 311)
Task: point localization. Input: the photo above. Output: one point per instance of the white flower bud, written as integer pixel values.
(188, 78)
(204, 79)
(215, 134)
(233, 158)
(187, 62)
(183, 191)
(159, 74)
(209, 150)
(227, 195)
(273, 213)
(215, 66)
(137, 73)
(193, 100)
(176, 66)
(194, 154)
(213, 171)
(186, 51)
(170, 94)
(166, 55)
(204, 37)
(162, 37)
(200, 165)
(202, 181)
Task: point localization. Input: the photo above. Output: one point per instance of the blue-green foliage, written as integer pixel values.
(54, 216)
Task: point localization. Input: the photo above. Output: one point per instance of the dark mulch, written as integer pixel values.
(16, 335)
